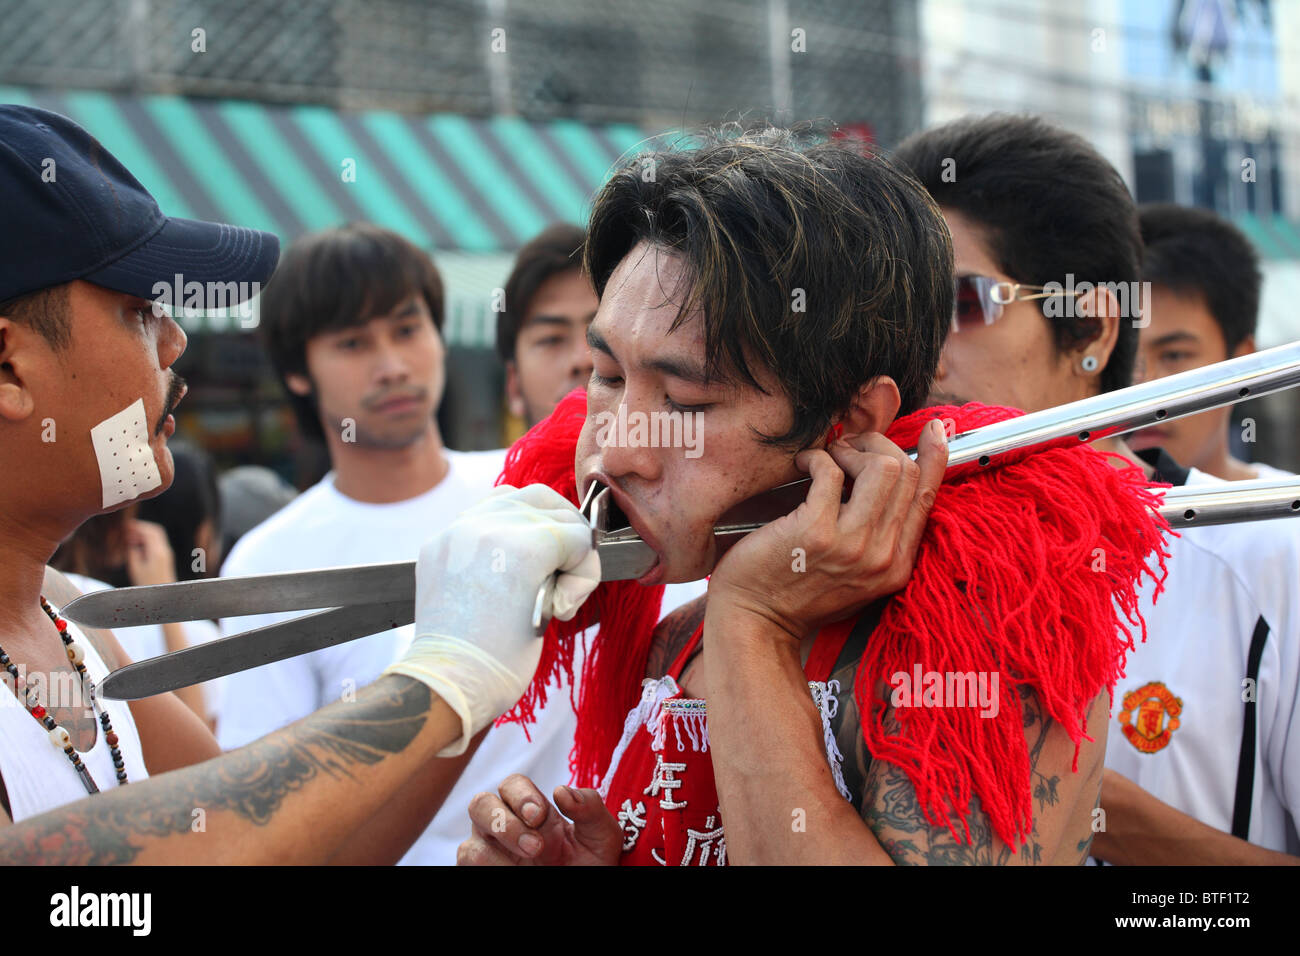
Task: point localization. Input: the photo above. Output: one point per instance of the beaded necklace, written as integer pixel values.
(59, 736)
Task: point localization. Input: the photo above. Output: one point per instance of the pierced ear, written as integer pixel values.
(1103, 308)
(299, 384)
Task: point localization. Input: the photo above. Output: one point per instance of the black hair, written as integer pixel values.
(45, 311)
(1051, 206)
(824, 263)
(556, 249)
(1194, 251)
(334, 280)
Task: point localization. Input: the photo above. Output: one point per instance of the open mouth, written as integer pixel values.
(613, 525)
(618, 519)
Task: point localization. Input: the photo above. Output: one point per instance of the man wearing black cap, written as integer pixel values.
(86, 394)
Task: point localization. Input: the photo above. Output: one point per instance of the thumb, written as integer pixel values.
(594, 827)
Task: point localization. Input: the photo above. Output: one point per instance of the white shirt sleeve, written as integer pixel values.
(1280, 748)
(257, 701)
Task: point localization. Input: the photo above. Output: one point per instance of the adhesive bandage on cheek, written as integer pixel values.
(126, 464)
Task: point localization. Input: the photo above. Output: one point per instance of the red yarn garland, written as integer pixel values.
(614, 661)
(1020, 537)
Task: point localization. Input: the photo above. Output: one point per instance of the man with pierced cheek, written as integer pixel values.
(793, 298)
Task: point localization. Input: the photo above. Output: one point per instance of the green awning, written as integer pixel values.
(447, 182)
(1274, 237)
(470, 190)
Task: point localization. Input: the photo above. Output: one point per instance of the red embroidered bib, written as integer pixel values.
(660, 783)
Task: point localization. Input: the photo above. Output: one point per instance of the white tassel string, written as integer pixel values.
(644, 713)
(828, 703)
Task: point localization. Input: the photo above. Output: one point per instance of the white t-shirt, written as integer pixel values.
(37, 776)
(1180, 709)
(323, 528)
(1268, 471)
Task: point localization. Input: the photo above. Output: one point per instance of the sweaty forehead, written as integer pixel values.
(642, 300)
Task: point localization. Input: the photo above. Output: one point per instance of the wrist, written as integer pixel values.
(737, 615)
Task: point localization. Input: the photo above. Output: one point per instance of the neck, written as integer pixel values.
(24, 549)
(1221, 464)
(1120, 447)
(386, 475)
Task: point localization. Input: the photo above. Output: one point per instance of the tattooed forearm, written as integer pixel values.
(251, 782)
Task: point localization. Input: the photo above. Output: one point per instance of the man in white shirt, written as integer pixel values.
(1203, 742)
(1205, 279)
(352, 322)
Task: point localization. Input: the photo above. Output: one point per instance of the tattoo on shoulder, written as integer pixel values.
(891, 809)
(251, 782)
(672, 634)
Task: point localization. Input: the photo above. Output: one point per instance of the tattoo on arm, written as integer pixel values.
(891, 809)
(252, 782)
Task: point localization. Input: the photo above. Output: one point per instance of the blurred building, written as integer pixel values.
(466, 125)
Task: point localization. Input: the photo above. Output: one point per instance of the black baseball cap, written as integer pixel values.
(72, 211)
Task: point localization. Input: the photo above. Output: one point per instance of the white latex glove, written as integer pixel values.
(475, 587)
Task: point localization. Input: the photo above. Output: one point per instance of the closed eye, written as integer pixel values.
(674, 406)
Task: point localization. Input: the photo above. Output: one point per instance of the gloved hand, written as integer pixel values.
(475, 587)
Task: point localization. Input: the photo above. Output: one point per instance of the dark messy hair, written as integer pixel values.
(554, 250)
(1194, 251)
(334, 280)
(823, 263)
(45, 312)
(1050, 205)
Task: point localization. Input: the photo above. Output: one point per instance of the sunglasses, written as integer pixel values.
(980, 300)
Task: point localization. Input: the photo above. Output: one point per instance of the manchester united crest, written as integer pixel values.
(1150, 716)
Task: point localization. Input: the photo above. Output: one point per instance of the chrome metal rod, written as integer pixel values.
(1138, 406)
(1183, 507)
(1198, 505)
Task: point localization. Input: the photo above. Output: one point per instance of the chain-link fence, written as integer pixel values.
(658, 64)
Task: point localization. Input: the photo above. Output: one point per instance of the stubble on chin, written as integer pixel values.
(363, 436)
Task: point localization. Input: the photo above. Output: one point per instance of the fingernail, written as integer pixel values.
(576, 795)
(531, 812)
(938, 432)
(530, 844)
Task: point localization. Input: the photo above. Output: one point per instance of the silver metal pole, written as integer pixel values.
(1138, 406)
